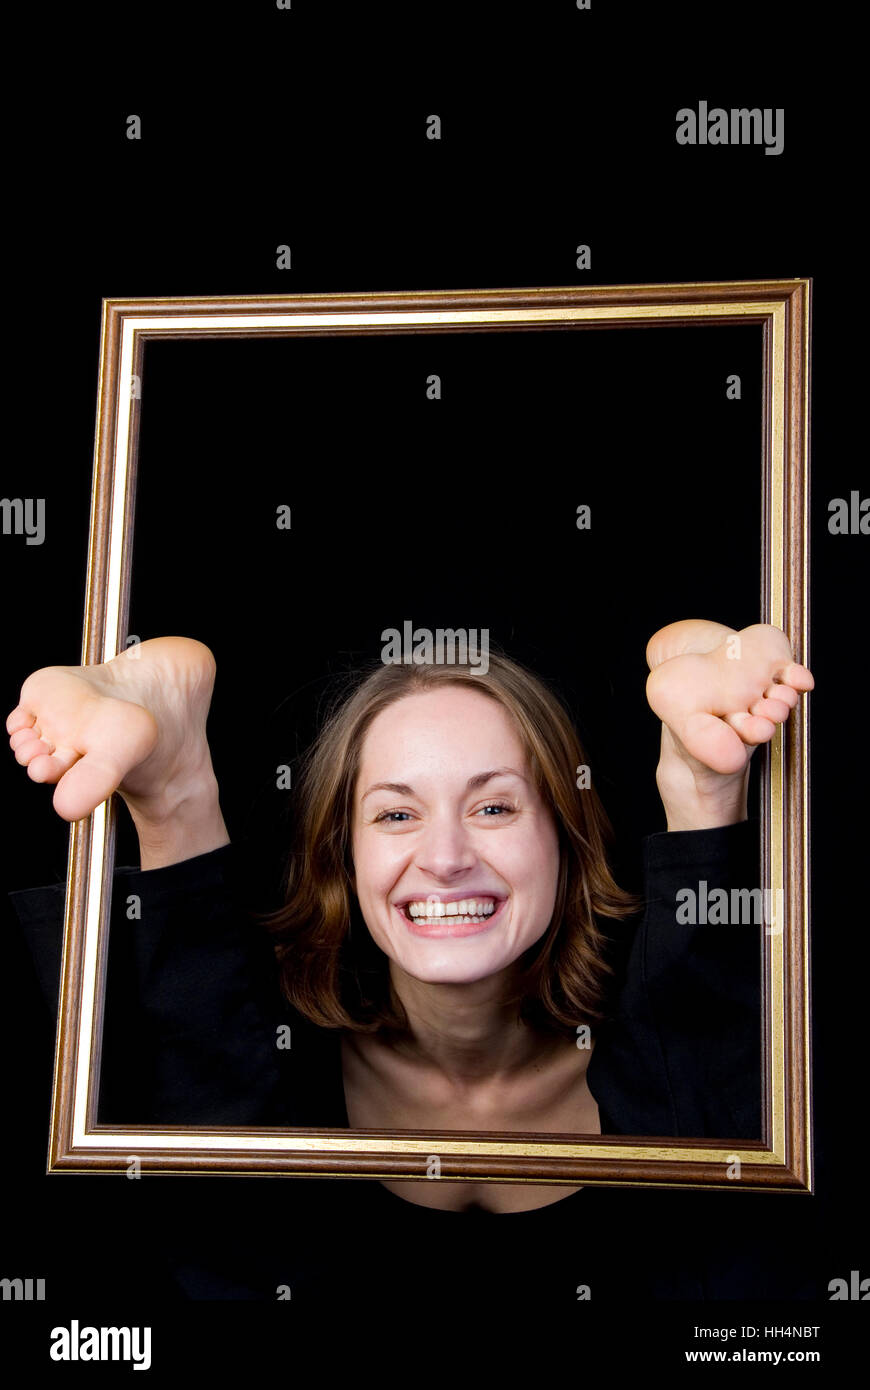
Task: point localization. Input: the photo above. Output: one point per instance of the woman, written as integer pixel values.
(446, 893)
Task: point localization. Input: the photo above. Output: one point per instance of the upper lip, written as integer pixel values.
(449, 897)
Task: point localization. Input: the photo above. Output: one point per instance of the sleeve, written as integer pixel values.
(195, 1029)
(681, 1053)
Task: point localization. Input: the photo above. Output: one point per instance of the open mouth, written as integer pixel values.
(463, 918)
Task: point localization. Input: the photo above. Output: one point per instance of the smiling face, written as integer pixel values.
(456, 862)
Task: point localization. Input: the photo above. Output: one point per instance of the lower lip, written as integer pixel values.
(444, 929)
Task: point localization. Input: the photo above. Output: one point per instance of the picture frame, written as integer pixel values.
(782, 1159)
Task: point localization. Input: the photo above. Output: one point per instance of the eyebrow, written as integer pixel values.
(473, 784)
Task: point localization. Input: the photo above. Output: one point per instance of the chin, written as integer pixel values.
(449, 972)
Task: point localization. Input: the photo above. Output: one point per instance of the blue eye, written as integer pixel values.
(491, 806)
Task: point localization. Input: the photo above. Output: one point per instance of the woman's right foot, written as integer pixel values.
(135, 725)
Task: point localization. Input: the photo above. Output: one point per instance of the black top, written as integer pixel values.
(680, 1055)
(192, 1012)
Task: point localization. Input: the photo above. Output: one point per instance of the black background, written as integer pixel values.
(307, 127)
(461, 513)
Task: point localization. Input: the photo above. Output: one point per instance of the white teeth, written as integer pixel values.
(466, 907)
(455, 921)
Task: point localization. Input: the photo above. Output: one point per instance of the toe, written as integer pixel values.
(19, 719)
(775, 710)
(29, 748)
(26, 735)
(785, 693)
(800, 677)
(752, 728)
(712, 742)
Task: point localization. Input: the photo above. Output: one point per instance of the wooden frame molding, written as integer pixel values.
(783, 1158)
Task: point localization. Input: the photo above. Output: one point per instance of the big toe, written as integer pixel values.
(85, 786)
(712, 742)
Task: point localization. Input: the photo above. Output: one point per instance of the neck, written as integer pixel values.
(469, 1032)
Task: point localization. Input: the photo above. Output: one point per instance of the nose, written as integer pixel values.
(445, 850)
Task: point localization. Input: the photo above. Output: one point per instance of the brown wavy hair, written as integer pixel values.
(331, 969)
